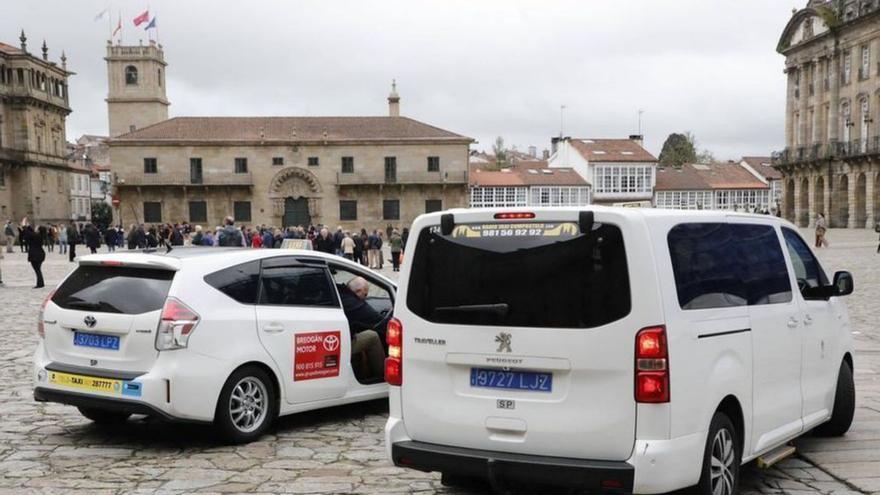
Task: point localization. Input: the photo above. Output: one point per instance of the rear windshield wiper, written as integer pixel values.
(94, 306)
(498, 309)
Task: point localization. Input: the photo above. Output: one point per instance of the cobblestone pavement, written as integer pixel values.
(48, 448)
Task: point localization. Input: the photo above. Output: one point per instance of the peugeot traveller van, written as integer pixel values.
(612, 349)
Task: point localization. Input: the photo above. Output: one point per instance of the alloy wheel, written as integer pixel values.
(248, 404)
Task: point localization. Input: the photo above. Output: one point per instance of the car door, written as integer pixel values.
(775, 322)
(302, 325)
(820, 348)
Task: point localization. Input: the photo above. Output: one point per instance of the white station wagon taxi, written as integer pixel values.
(233, 337)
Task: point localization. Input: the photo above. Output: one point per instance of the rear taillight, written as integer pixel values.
(652, 366)
(176, 325)
(41, 328)
(394, 361)
(514, 215)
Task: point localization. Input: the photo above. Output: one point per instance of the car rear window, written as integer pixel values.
(718, 265)
(114, 289)
(531, 274)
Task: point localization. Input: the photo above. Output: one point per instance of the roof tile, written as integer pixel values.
(612, 150)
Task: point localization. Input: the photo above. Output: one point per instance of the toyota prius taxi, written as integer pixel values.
(229, 336)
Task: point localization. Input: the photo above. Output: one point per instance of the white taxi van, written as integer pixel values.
(228, 336)
(619, 349)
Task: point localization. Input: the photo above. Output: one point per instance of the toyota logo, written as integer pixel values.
(331, 343)
(90, 321)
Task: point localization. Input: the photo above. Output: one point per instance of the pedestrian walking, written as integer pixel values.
(337, 241)
(22, 243)
(72, 240)
(9, 234)
(36, 254)
(110, 239)
(92, 238)
(877, 230)
(229, 235)
(821, 229)
(373, 253)
(348, 246)
(381, 253)
(62, 239)
(396, 245)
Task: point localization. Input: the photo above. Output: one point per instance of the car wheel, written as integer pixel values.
(721, 459)
(103, 416)
(246, 407)
(844, 405)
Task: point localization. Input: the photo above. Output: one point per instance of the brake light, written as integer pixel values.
(41, 328)
(176, 325)
(394, 361)
(111, 263)
(652, 366)
(514, 215)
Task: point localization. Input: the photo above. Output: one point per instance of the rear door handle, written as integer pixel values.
(808, 320)
(273, 327)
(792, 322)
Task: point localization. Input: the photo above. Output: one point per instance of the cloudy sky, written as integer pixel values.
(482, 68)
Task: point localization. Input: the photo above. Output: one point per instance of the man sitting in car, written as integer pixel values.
(366, 325)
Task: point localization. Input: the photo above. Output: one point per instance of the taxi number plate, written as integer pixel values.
(89, 383)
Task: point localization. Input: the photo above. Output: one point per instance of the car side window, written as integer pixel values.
(807, 270)
(240, 282)
(297, 285)
(702, 256)
(341, 277)
(762, 264)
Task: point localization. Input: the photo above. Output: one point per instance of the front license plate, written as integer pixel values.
(512, 380)
(89, 383)
(96, 340)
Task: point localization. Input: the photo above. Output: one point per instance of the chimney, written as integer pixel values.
(533, 152)
(638, 138)
(393, 101)
(545, 154)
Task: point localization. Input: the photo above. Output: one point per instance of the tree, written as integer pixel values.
(500, 151)
(678, 149)
(102, 216)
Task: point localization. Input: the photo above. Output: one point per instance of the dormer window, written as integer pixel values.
(131, 75)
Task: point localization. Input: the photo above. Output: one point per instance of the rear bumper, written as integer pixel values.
(496, 466)
(42, 394)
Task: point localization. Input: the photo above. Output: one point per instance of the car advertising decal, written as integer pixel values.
(562, 229)
(316, 355)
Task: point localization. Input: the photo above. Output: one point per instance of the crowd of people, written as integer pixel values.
(364, 247)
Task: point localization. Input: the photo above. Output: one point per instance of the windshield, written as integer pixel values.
(535, 274)
(113, 289)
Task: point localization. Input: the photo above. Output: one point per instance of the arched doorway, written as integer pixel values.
(819, 198)
(861, 201)
(788, 205)
(804, 220)
(296, 212)
(842, 217)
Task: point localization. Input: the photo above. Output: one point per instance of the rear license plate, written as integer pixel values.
(95, 340)
(512, 380)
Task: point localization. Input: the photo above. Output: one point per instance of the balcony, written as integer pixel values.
(852, 150)
(183, 180)
(405, 178)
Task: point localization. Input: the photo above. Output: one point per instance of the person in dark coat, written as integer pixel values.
(93, 238)
(176, 236)
(152, 239)
(110, 239)
(72, 240)
(36, 254)
(324, 242)
(367, 326)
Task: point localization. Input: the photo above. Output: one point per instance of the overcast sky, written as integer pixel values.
(482, 68)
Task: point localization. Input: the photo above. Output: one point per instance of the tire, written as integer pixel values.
(103, 416)
(723, 447)
(844, 405)
(247, 406)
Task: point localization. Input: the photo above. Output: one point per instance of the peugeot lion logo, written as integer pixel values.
(90, 321)
(503, 340)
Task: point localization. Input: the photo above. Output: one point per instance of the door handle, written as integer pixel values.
(273, 327)
(808, 320)
(792, 322)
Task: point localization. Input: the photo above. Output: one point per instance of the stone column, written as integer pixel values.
(834, 101)
(852, 178)
(797, 199)
(802, 105)
(811, 195)
(870, 200)
(789, 107)
(826, 199)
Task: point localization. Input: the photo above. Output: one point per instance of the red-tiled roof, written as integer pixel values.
(761, 164)
(290, 129)
(9, 49)
(705, 177)
(494, 178)
(612, 150)
(525, 176)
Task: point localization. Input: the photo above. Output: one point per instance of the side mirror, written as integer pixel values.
(843, 283)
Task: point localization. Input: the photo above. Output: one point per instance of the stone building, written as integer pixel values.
(34, 174)
(279, 171)
(715, 186)
(831, 163)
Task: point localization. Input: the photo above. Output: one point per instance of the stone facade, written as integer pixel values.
(831, 163)
(34, 177)
(136, 83)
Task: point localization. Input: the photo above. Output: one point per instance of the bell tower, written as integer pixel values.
(136, 87)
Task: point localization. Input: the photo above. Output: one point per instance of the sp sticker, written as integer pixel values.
(505, 404)
(316, 355)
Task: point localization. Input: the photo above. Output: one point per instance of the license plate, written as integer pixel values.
(95, 384)
(96, 340)
(512, 380)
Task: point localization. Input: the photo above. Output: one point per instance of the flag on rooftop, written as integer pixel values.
(152, 24)
(101, 14)
(142, 18)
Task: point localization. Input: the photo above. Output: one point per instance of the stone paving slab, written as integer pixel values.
(50, 448)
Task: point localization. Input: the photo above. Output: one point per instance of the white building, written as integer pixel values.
(526, 183)
(620, 170)
(716, 186)
(762, 168)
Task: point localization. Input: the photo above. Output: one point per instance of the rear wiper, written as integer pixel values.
(498, 309)
(84, 304)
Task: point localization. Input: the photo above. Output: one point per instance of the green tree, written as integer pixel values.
(500, 151)
(678, 149)
(102, 216)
